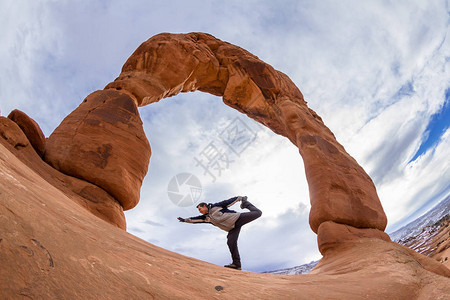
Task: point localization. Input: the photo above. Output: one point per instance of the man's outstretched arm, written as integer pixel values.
(229, 202)
(198, 219)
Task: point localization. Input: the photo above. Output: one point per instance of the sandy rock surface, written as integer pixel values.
(52, 248)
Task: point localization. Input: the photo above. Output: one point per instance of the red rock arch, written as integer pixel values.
(102, 141)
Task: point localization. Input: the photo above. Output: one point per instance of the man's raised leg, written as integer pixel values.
(247, 217)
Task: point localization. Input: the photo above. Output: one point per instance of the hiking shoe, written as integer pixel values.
(232, 266)
(244, 202)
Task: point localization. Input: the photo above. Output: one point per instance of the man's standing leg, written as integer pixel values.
(232, 238)
(233, 234)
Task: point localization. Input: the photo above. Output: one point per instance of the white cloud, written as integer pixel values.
(269, 171)
(421, 181)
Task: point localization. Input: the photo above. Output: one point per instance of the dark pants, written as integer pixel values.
(233, 234)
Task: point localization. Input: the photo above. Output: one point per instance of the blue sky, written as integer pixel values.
(377, 72)
(437, 125)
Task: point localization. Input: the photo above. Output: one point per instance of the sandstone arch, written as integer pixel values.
(102, 141)
(52, 248)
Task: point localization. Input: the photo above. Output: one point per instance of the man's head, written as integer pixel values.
(203, 208)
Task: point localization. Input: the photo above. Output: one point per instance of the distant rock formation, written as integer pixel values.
(432, 241)
(415, 227)
(429, 234)
(50, 247)
(297, 270)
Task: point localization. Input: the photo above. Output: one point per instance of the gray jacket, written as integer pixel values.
(219, 215)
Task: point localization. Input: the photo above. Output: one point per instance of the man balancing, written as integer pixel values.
(219, 215)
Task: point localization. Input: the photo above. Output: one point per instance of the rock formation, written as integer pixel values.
(433, 241)
(90, 196)
(52, 248)
(103, 142)
(167, 64)
(98, 156)
(31, 129)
